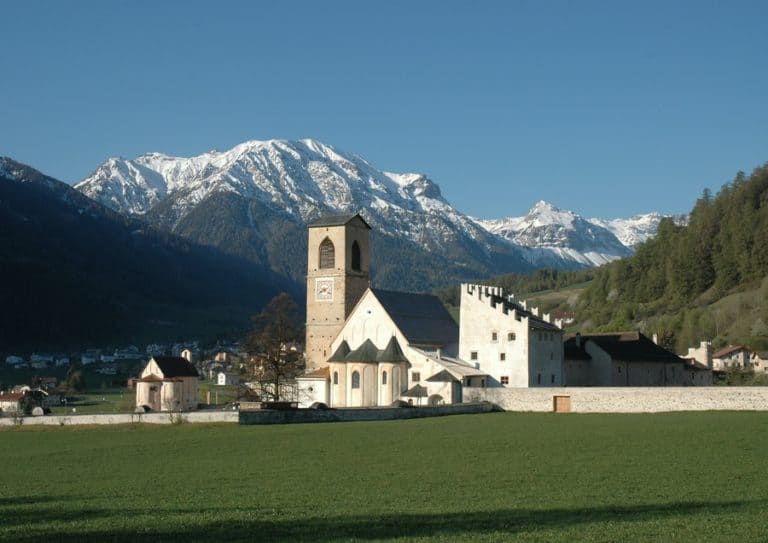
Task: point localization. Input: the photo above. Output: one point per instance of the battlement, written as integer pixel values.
(506, 305)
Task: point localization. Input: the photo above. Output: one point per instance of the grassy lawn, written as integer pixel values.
(495, 477)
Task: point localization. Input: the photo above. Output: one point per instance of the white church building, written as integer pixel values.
(372, 347)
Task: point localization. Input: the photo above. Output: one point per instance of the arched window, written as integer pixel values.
(335, 377)
(355, 379)
(383, 377)
(355, 256)
(327, 254)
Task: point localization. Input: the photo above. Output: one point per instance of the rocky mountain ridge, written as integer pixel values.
(292, 182)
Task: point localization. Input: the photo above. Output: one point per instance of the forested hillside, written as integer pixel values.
(76, 274)
(702, 281)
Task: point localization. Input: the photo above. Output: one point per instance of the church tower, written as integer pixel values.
(337, 276)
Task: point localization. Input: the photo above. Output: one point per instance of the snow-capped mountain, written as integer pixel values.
(637, 229)
(303, 179)
(254, 200)
(550, 234)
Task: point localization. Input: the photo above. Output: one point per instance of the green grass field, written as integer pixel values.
(495, 477)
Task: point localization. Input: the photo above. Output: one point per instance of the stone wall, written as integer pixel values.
(266, 416)
(122, 418)
(626, 399)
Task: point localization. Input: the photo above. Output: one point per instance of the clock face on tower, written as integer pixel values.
(324, 289)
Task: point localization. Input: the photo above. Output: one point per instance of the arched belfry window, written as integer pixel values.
(355, 379)
(327, 254)
(335, 377)
(355, 256)
(384, 378)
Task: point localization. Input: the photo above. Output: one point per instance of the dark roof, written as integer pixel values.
(341, 353)
(367, 352)
(624, 347)
(443, 376)
(416, 391)
(420, 317)
(175, 366)
(391, 353)
(336, 220)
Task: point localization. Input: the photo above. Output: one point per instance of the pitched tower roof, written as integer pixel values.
(336, 220)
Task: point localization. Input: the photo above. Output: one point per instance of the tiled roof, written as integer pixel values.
(442, 376)
(175, 366)
(391, 353)
(320, 373)
(420, 317)
(341, 353)
(730, 349)
(11, 396)
(367, 352)
(336, 220)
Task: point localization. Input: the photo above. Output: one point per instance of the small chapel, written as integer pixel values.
(367, 346)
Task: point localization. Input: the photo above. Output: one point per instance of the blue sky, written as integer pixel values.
(607, 108)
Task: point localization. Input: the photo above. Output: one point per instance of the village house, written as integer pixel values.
(12, 402)
(227, 379)
(758, 361)
(167, 383)
(627, 359)
(732, 356)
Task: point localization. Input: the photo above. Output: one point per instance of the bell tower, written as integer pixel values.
(337, 276)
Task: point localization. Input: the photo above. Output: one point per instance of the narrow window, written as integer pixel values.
(355, 379)
(384, 378)
(415, 377)
(327, 254)
(473, 355)
(355, 256)
(335, 377)
(538, 379)
(511, 336)
(553, 379)
(502, 356)
(482, 382)
(504, 380)
(494, 336)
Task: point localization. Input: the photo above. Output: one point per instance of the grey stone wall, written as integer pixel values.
(122, 418)
(266, 416)
(626, 399)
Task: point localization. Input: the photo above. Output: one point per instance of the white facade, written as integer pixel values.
(515, 346)
(369, 383)
(701, 354)
(166, 390)
(731, 357)
(226, 379)
(313, 388)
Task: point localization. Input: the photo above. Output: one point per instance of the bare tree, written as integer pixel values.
(273, 346)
